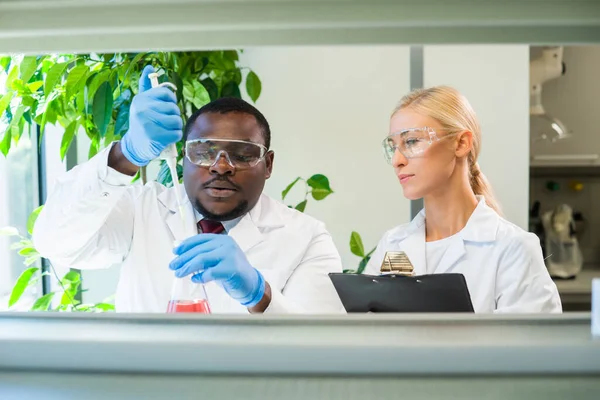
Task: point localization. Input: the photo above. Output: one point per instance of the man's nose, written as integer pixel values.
(222, 165)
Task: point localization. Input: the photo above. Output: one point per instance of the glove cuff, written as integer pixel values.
(259, 293)
(127, 150)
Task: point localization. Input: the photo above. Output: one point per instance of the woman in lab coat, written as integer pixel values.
(433, 147)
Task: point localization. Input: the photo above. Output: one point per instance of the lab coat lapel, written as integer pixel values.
(480, 228)
(251, 229)
(246, 233)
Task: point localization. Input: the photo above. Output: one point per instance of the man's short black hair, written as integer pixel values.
(226, 105)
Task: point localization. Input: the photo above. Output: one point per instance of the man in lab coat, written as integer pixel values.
(255, 254)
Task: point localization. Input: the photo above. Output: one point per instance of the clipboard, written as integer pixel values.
(438, 293)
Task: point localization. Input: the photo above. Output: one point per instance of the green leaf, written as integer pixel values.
(362, 265)
(43, 303)
(9, 231)
(288, 188)
(348, 271)
(356, 245)
(67, 138)
(253, 86)
(28, 67)
(30, 260)
(231, 55)
(176, 80)
(320, 194)
(12, 75)
(201, 96)
(134, 62)
(211, 87)
(123, 99)
(80, 101)
(93, 147)
(32, 218)
(34, 86)
(110, 135)
(71, 281)
(95, 82)
(6, 140)
(301, 206)
(136, 177)
(71, 276)
(319, 181)
(5, 62)
(21, 285)
(27, 115)
(320, 186)
(231, 90)
(5, 101)
(234, 75)
(19, 86)
(76, 80)
(122, 121)
(102, 107)
(28, 252)
(53, 77)
(52, 111)
(104, 307)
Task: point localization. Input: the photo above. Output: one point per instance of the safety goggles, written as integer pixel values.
(240, 154)
(410, 142)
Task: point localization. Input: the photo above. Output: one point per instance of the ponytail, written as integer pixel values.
(481, 186)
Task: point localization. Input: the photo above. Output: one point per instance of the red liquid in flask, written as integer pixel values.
(188, 306)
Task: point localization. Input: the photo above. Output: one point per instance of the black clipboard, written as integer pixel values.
(401, 294)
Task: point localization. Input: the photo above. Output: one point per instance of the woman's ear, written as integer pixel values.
(464, 143)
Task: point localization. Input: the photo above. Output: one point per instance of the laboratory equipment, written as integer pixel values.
(564, 259)
(541, 70)
(186, 296)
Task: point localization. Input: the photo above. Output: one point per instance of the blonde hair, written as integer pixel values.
(454, 112)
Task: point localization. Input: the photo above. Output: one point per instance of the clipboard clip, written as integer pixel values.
(397, 263)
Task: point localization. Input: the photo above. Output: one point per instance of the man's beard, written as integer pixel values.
(238, 211)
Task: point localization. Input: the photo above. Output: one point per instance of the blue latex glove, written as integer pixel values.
(211, 257)
(154, 122)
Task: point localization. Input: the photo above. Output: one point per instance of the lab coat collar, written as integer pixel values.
(481, 227)
(247, 232)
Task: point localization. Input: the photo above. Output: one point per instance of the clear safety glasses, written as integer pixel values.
(411, 142)
(239, 154)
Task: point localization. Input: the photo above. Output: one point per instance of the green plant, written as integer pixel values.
(93, 92)
(358, 249)
(317, 186)
(69, 284)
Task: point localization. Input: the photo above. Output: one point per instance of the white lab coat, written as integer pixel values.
(502, 263)
(96, 218)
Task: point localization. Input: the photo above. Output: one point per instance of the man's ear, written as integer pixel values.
(464, 143)
(269, 158)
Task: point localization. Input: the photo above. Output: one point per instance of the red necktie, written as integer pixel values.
(208, 226)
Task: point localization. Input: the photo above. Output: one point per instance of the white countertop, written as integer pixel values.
(582, 284)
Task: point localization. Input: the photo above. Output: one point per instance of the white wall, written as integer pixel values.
(495, 79)
(329, 109)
